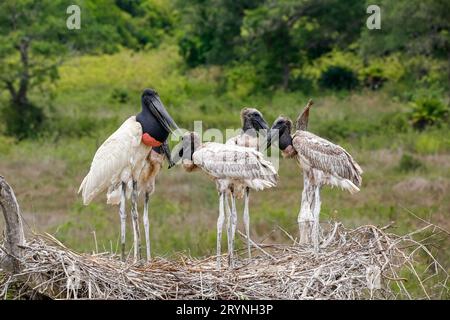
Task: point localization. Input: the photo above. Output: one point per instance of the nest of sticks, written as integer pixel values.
(363, 263)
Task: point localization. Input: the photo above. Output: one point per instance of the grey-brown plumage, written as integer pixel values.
(228, 165)
(323, 163)
(335, 162)
(252, 122)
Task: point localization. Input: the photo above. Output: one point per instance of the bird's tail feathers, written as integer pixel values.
(82, 185)
(349, 186)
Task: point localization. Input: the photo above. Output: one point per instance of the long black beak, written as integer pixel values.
(273, 133)
(159, 111)
(261, 124)
(165, 148)
(269, 139)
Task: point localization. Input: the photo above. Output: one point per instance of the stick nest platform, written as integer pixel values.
(363, 263)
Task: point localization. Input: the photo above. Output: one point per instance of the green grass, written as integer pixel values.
(46, 172)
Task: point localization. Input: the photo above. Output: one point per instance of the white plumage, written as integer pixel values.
(228, 165)
(252, 122)
(119, 159)
(237, 164)
(130, 159)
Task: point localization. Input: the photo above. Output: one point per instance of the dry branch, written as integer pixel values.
(362, 263)
(14, 230)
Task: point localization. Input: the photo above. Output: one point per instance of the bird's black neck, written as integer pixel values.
(248, 128)
(151, 125)
(285, 140)
(247, 125)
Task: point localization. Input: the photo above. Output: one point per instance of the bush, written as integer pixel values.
(430, 143)
(6, 144)
(24, 121)
(396, 121)
(427, 112)
(342, 129)
(409, 163)
(241, 80)
(338, 78)
(65, 126)
(120, 95)
(381, 70)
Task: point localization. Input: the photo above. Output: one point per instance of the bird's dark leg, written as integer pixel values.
(147, 226)
(123, 219)
(135, 220)
(233, 229)
(220, 221)
(247, 219)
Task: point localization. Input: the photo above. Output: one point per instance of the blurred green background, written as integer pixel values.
(381, 94)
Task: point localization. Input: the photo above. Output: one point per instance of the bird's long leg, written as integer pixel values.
(233, 229)
(316, 213)
(123, 219)
(247, 220)
(227, 206)
(220, 228)
(135, 220)
(147, 226)
(306, 215)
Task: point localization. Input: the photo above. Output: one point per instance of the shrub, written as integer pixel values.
(6, 144)
(24, 121)
(396, 121)
(429, 143)
(427, 112)
(409, 163)
(381, 70)
(338, 78)
(120, 95)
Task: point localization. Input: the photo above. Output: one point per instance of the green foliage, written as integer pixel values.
(395, 121)
(34, 39)
(409, 163)
(382, 69)
(120, 95)
(6, 144)
(24, 121)
(212, 30)
(241, 80)
(431, 143)
(338, 78)
(427, 112)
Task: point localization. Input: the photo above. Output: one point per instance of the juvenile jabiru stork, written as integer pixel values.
(252, 122)
(323, 163)
(228, 165)
(130, 159)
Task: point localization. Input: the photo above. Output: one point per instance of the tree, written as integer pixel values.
(212, 30)
(413, 27)
(282, 35)
(34, 40)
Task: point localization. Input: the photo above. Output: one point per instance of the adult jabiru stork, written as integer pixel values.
(130, 159)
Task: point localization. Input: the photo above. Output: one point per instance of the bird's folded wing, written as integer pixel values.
(328, 157)
(113, 157)
(234, 162)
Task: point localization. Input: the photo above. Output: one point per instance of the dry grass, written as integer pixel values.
(364, 263)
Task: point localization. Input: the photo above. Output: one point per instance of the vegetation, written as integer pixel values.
(388, 105)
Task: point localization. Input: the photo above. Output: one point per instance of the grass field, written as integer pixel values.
(406, 172)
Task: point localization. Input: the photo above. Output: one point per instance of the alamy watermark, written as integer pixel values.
(73, 21)
(374, 20)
